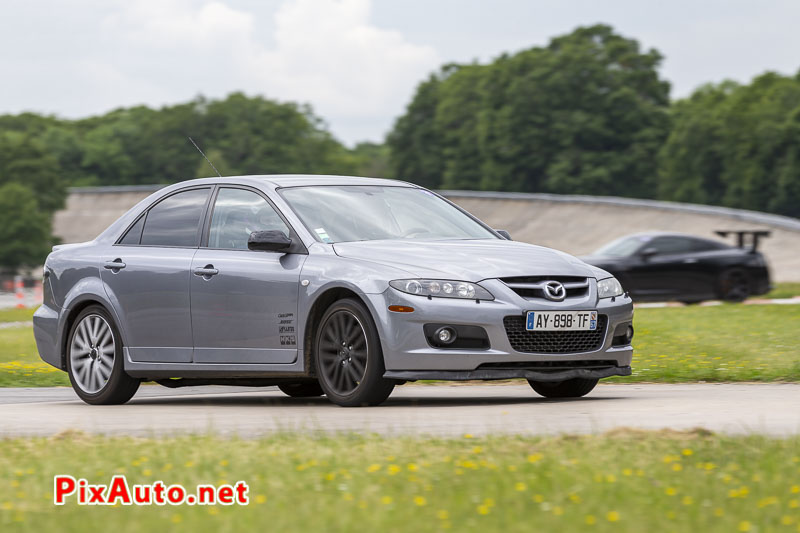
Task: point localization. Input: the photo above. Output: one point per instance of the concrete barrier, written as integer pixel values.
(575, 224)
(90, 210)
(581, 224)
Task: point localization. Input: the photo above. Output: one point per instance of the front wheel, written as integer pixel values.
(95, 362)
(349, 360)
(734, 286)
(571, 388)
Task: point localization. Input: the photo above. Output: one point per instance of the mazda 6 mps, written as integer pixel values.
(322, 285)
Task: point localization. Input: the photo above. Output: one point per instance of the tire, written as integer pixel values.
(733, 285)
(571, 388)
(302, 389)
(348, 356)
(95, 362)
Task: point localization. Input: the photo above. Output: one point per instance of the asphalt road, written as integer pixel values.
(412, 409)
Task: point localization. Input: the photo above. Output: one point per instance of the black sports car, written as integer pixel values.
(673, 266)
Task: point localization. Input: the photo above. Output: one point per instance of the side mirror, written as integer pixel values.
(269, 241)
(503, 233)
(647, 253)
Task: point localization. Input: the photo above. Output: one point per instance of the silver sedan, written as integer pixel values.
(322, 285)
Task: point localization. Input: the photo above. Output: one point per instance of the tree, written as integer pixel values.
(586, 114)
(214, 155)
(415, 141)
(24, 228)
(24, 161)
(736, 145)
(372, 160)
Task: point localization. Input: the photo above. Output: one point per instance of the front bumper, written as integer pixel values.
(407, 354)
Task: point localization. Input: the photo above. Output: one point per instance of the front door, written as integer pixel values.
(244, 303)
(667, 273)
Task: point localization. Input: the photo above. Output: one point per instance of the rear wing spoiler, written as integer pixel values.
(745, 237)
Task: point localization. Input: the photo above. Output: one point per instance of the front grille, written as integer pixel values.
(546, 366)
(533, 286)
(525, 341)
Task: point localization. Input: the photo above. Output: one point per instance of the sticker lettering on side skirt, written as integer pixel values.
(286, 329)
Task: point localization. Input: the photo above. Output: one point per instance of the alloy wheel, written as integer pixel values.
(735, 286)
(343, 352)
(92, 353)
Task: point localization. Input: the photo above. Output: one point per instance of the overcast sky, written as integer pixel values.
(355, 61)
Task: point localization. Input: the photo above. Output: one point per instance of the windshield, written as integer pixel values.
(624, 246)
(345, 213)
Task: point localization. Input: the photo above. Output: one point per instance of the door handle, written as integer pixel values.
(690, 260)
(207, 271)
(115, 266)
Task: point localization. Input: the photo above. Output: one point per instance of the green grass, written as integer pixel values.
(16, 315)
(723, 343)
(623, 481)
(20, 365)
(784, 290)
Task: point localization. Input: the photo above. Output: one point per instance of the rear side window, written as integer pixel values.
(702, 245)
(176, 220)
(134, 235)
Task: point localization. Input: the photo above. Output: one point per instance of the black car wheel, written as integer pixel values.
(571, 388)
(302, 389)
(734, 286)
(94, 359)
(349, 360)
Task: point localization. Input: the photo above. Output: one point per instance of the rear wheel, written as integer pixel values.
(349, 360)
(571, 388)
(734, 286)
(301, 389)
(95, 362)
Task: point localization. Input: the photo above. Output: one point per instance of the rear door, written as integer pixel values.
(147, 277)
(244, 303)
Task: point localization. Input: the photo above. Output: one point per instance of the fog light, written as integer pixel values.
(445, 335)
(629, 334)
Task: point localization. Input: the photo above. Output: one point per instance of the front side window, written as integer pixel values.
(624, 246)
(176, 220)
(365, 212)
(671, 245)
(237, 213)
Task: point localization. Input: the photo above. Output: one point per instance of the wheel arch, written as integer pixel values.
(322, 302)
(75, 305)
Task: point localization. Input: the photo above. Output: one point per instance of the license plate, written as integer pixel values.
(561, 321)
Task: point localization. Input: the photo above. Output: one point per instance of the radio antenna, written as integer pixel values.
(204, 155)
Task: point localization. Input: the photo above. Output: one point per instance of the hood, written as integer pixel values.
(604, 266)
(600, 259)
(467, 260)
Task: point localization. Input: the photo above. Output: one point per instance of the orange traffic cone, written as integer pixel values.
(18, 292)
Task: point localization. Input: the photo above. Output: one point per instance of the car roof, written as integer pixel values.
(299, 180)
(652, 234)
(649, 235)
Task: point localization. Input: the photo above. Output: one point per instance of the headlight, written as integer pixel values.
(442, 288)
(609, 287)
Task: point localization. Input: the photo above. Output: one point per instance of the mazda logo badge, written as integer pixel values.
(554, 290)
